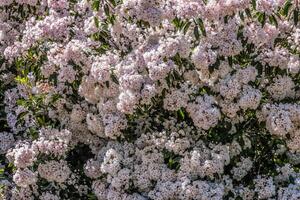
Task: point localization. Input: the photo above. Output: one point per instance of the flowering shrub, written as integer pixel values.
(149, 99)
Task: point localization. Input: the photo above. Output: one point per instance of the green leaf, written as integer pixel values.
(33, 133)
(296, 16)
(202, 27)
(96, 5)
(230, 61)
(172, 160)
(181, 113)
(291, 179)
(273, 20)
(176, 22)
(22, 80)
(55, 97)
(262, 18)
(96, 22)
(248, 12)
(21, 102)
(168, 81)
(41, 120)
(92, 196)
(226, 19)
(111, 19)
(107, 84)
(241, 14)
(253, 2)
(114, 78)
(286, 7)
(22, 115)
(1, 173)
(106, 10)
(113, 2)
(186, 27)
(196, 32)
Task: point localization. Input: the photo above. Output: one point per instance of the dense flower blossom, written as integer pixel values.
(149, 99)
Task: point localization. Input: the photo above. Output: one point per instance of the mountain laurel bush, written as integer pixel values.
(149, 99)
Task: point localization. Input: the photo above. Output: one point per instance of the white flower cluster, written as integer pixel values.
(283, 121)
